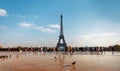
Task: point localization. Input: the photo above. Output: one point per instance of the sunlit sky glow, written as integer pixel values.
(36, 22)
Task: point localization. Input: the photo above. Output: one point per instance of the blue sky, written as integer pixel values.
(36, 22)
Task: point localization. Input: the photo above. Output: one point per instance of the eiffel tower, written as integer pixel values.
(61, 36)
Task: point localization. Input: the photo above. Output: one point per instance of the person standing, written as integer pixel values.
(113, 50)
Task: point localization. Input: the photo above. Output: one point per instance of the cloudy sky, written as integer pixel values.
(36, 22)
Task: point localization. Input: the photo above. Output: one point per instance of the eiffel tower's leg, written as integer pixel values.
(59, 40)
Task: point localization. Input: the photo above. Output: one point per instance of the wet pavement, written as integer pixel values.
(52, 61)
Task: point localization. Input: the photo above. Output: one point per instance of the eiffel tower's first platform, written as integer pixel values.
(61, 36)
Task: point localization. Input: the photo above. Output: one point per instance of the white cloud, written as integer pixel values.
(3, 28)
(43, 29)
(54, 26)
(98, 35)
(3, 12)
(35, 27)
(25, 24)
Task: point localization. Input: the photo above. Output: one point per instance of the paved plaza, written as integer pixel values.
(52, 61)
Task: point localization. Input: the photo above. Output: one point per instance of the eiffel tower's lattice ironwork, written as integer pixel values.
(61, 41)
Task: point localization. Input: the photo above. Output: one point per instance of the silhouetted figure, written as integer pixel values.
(17, 55)
(10, 55)
(112, 50)
(55, 58)
(73, 63)
(104, 50)
(4, 56)
(101, 50)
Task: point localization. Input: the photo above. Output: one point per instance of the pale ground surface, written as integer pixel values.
(39, 61)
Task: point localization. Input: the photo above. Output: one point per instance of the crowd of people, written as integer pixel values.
(7, 56)
(66, 49)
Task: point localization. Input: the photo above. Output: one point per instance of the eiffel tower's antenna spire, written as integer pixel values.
(61, 24)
